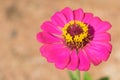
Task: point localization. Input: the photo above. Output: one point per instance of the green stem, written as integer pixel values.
(74, 75)
(87, 76)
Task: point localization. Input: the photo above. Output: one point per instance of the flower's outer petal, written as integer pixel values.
(102, 50)
(106, 44)
(102, 37)
(62, 58)
(103, 27)
(68, 13)
(50, 27)
(95, 59)
(45, 37)
(73, 61)
(84, 63)
(59, 19)
(87, 18)
(95, 21)
(78, 14)
(50, 51)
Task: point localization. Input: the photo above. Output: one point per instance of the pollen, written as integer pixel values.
(75, 34)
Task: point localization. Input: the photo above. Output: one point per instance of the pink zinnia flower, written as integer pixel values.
(75, 39)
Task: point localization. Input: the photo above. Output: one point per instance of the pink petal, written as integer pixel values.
(84, 64)
(73, 61)
(45, 37)
(50, 27)
(62, 58)
(78, 14)
(50, 51)
(95, 21)
(106, 44)
(101, 51)
(104, 47)
(102, 37)
(92, 55)
(59, 19)
(103, 27)
(87, 18)
(68, 13)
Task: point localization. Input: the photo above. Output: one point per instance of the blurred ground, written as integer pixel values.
(19, 50)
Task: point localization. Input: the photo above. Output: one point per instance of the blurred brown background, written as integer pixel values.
(19, 51)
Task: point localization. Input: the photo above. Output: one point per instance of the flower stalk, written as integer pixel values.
(77, 75)
(74, 75)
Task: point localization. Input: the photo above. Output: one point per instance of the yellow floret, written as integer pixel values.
(77, 39)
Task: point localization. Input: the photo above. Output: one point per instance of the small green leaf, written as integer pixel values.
(104, 78)
(87, 76)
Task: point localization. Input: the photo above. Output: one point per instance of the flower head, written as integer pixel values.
(74, 39)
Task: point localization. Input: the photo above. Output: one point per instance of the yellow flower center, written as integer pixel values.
(75, 34)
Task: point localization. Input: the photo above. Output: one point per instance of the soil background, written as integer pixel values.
(20, 58)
